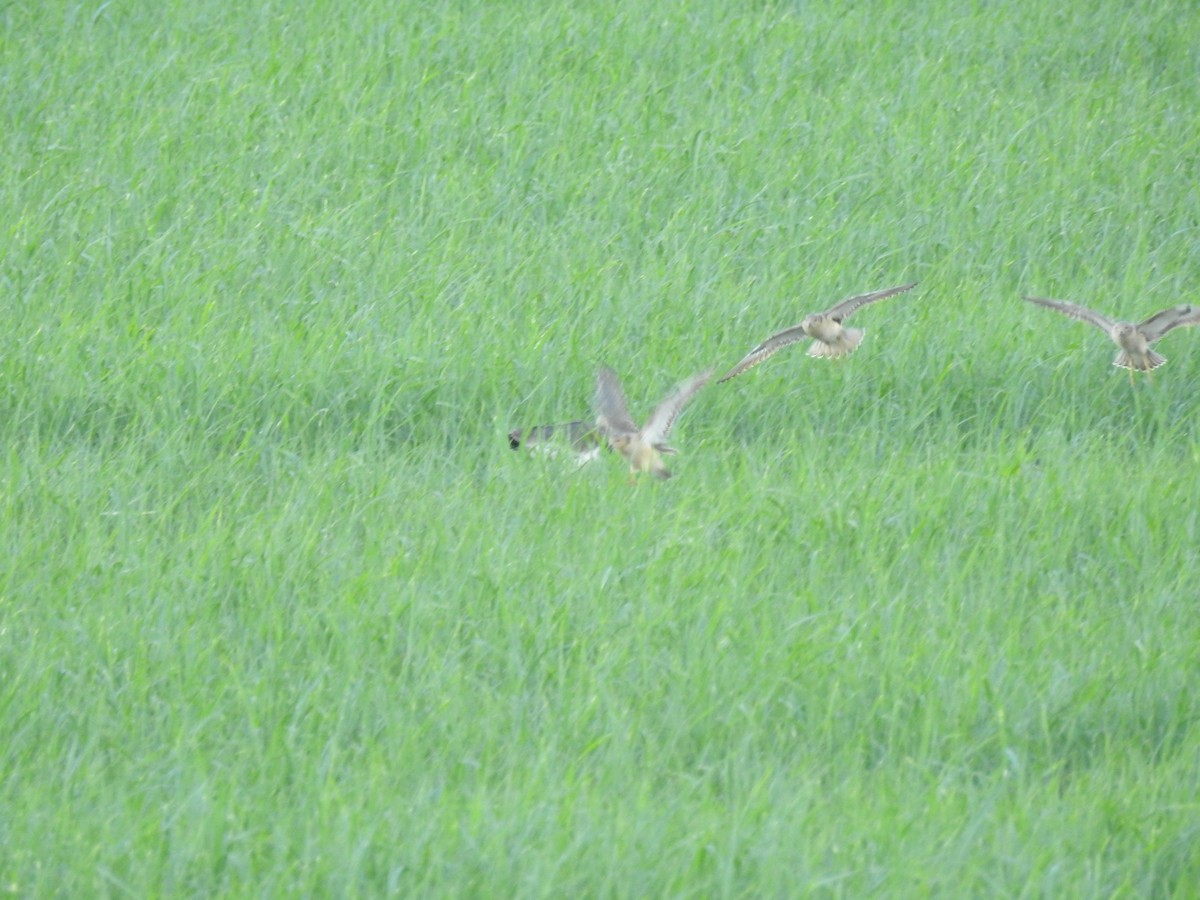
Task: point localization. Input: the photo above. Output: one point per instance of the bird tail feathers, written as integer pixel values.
(1152, 360)
(846, 342)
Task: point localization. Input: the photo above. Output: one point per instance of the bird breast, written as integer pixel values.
(822, 328)
(1128, 338)
(641, 455)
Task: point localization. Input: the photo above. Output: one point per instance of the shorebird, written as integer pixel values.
(830, 338)
(640, 446)
(583, 437)
(1134, 340)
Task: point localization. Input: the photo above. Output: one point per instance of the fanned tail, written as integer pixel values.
(845, 343)
(1150, 360)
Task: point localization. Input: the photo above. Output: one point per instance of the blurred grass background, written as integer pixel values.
(280, 611)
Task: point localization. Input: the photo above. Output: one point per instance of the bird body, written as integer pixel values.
(641, 447)
(830, 338)
(583, 438)
(1135, 349)
(1134, 340)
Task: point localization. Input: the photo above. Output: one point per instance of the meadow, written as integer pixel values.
(282, 615)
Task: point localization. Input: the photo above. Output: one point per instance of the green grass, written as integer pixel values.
(280, 613)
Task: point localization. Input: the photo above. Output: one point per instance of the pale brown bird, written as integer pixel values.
(830, 338)
(583, 438)
(641, 446)
(1134, 340)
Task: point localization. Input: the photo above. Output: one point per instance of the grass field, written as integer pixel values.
(280, 612)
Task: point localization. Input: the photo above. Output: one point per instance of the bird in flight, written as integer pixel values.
(1133, 339)
(584, 439)
(830, 337)
(641, 447)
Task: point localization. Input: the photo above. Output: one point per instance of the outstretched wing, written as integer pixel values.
(1162, 322)
(767, 348)
(842, 310)
(581, 435)
(665, 414)
(612, 410)
(1075, 311)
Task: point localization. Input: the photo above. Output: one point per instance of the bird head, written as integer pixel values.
(811, 321)
(620, 442)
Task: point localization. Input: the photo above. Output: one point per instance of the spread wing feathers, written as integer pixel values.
(611, 407)
(665, 414)
(581, 435)
(1162, 322)
(1075, 311)
(765, 350)
(842, 310)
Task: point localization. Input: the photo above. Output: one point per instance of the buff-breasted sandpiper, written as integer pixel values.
(641, 447)
(1134, 340)
(829, 337)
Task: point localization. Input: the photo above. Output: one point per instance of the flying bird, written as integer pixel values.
(641, 446)
(1134, 340)
(830, 338)
(583, 437)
